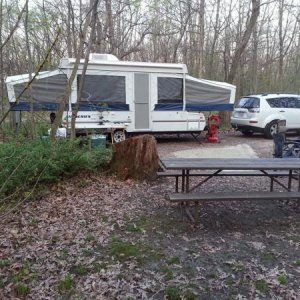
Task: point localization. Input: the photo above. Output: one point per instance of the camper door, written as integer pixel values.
(142, 101)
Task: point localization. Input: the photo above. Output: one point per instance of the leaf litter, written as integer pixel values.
(119, 240)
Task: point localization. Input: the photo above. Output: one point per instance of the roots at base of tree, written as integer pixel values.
(135, 158)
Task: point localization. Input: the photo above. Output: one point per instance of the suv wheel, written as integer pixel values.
(270, 129)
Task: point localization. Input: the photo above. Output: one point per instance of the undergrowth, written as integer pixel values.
(24, 163)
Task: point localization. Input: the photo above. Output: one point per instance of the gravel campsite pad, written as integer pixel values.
(94, 237)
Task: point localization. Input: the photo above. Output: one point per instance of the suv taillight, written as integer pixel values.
(253, 110)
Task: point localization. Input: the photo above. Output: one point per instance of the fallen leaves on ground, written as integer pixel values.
(100, 238)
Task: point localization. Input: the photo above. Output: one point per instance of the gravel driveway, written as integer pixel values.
(170, 144)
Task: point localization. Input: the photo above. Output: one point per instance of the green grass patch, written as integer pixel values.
(267, 257)
(230, 280)
(79, 270)
(4, 263)
(88, 252)
(34, 221)
(66, 284)
(2, 283)
(212, 276)
(297, 262)
(90, 238)
(282, 279)
(121, 249)
(98, 267)
(21, 289)
(172, 293)
(83, 183)
(189, 270)
(63, 254)
(21, 275)
(141, 224)
(261, 285)
(189, 295)
(168, 273)
(174, 261)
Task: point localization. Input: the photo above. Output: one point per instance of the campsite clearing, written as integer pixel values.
(100, 238)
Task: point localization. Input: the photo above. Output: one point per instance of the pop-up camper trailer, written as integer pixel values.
(125, 97)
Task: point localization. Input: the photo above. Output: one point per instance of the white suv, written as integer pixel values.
(260, 113)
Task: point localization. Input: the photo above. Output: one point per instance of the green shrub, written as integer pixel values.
(23, 162)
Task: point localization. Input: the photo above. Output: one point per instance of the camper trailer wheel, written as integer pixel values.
(119, 136)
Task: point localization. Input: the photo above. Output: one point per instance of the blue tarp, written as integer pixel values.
(194, 107)
(40, 106)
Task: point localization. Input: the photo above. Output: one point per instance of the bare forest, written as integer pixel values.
(253, 44)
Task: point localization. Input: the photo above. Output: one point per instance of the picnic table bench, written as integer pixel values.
(178, 175)
(273, 168)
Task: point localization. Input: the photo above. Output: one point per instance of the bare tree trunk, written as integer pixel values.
(184, 23)
(201, 36)
(70, 21)
(67, 92)
(30, 71)
(225, 117)
(227, 49)
(214, 42)
(93, 5)
(254, 61)
(281, 44)
(1, 61)
(109, 26)
(245, 39)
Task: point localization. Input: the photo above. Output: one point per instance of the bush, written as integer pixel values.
(23, 162)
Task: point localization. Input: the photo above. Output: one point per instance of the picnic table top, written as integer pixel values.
(231, 163)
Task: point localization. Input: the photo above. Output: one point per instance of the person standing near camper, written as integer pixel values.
(52, 117)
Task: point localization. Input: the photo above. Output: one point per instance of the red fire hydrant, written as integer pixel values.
(212, 134)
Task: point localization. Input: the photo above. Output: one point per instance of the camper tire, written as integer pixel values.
(119, 136)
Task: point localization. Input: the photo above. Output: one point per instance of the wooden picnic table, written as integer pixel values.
(273, 168)
(217, 165)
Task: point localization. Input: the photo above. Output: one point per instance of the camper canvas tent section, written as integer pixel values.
(44, 94)
(134, 96)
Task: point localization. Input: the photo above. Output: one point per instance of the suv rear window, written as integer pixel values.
(248, 102)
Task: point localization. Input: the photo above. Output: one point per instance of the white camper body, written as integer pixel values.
(130, 96)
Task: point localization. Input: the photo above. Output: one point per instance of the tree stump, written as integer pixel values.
(135, 158)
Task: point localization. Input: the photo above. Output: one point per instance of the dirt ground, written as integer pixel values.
(94, 237)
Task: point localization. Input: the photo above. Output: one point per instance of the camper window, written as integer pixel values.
(170, 90)
(100, 89)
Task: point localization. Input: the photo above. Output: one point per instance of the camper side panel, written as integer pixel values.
(167, 106)
(107, 100)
